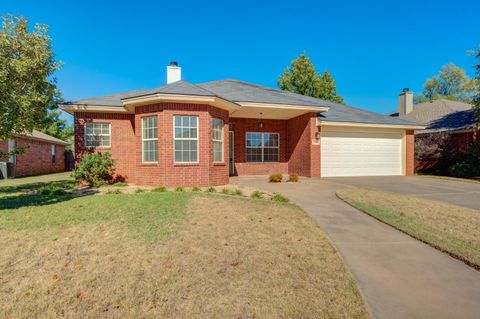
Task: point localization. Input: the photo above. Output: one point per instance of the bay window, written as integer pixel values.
(150, 139)
(185, 139)
(217, 136)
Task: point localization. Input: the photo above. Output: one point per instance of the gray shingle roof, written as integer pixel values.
(342, 113)
(239, 91)
(460, 120)
(37, 135)
(427, 112)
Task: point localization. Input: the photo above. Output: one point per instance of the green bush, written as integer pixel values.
(460, 169)
(293, 178)
(139, 190)
(196, 189)
(159, 190)
(211, 190)
(275, 178)
(226, 191)
(280, 198)
(237, 192)
(256, 195)
(179, 189)
(95, 169)
(51, 190)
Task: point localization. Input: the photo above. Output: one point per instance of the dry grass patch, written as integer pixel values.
(452, 229)
(222, 257)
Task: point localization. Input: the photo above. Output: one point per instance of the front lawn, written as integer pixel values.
(450, 228)
(167, 255)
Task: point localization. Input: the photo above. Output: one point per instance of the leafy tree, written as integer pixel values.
(27, 85)
(476, 99)
(53, 125)
(300, 77)
(450, 83)
(328, 88)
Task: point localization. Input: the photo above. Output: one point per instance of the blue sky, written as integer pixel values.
(372, 48)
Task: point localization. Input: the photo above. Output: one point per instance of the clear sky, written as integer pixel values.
(372, 48)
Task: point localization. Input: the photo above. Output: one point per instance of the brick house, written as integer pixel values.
(450, 128)
(44, 154)
(184, 134)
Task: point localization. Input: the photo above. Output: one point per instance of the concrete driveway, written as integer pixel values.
(453, 192)
(398, 276)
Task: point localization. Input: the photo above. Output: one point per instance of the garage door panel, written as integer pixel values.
(361, 154)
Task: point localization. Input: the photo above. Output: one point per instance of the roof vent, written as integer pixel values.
(174, 72)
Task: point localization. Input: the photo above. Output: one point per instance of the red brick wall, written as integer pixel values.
(126, 145)
(303, 154)
(122, 139)
(410, 153)
(38, 157)
(240, 127)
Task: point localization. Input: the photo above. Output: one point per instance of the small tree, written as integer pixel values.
(476, 99)
(300, 77)
(95, 169)
(450, 83)
(27, 85)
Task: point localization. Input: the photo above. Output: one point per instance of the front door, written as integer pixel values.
(231, 163)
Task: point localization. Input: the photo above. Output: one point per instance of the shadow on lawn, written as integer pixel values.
(30, 197)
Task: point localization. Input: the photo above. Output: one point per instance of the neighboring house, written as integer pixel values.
(449, 122)
(44, 154)
(198, 135)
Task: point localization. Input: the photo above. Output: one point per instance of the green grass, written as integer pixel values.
(280, 198)
(120, 184)
(151, 215)
(449, 228)
(256, 195)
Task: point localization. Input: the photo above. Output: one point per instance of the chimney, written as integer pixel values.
(405, 102)
(174, 72)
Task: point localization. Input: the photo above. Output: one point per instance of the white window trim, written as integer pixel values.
(186, 139)
(222, 161)
(149, 139)
(109, 135)
(262, 146)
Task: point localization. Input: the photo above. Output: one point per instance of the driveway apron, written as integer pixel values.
(398, 276)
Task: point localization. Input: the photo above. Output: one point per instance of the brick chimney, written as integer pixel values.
(405, 102)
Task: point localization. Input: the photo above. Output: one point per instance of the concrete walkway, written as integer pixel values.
(399, 276)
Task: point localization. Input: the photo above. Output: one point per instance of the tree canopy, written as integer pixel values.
(451, 83)
(476, 98)
(28, 91)
(300, 77)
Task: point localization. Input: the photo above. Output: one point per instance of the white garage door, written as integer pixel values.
(361, 153)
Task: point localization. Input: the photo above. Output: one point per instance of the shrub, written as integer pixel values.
(237, 192)
(179, 189)
(95, 169)
(51, 190)
(275, 178)
(460, 169)
(211, 190)
(293, 178)
(120, 184)
(196, 189)
(226, 191)
(280, 198)
(139, 190)
(159, 189)
(256, 195)
(114, 192)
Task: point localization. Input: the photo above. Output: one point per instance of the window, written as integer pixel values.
(150, 139)
(217, 136)
(97, 135)
(54, 153)
(12, 144)
(262, 147)
(185, 135)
